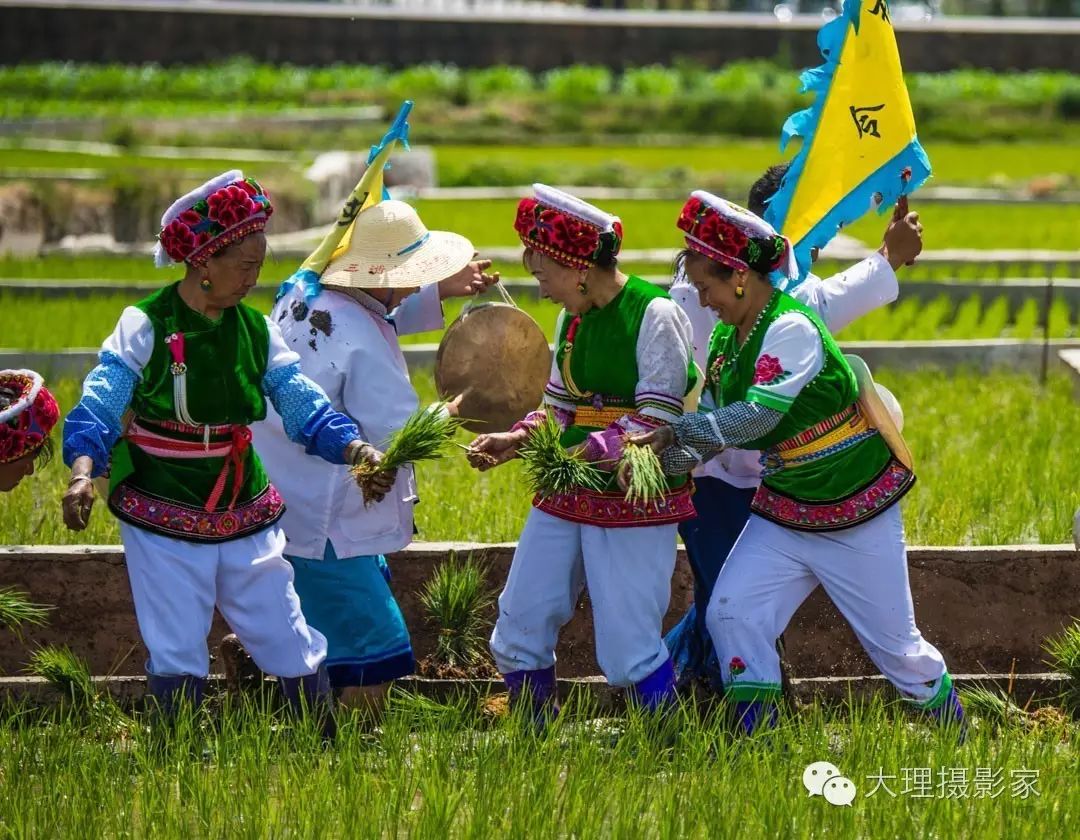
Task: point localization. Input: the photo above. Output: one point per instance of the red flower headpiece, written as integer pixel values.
(567, 237)
(219, 213)
(732, 235)
(26, 423)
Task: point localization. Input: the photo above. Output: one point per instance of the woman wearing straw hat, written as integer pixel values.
(28, 412)
(346, 333)
(198, 514)
(835, 468)
(623, 363)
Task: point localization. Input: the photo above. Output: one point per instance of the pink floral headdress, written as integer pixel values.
(570, 231)
(26, 423)
(735, 237)
(207, 220)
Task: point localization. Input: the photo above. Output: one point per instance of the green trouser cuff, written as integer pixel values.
(746, 690)
(940, 696)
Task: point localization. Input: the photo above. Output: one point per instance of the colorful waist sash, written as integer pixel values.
(883, 491)
(172, 440)
(826, 438)
(228, 442)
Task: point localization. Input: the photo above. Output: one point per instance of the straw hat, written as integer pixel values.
(881, 410)
(391, 249)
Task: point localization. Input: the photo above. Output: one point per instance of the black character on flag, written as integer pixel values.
(865, 123)
(881, 10)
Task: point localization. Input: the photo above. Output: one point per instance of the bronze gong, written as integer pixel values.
(498, 357)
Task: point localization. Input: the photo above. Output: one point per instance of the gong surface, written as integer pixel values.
(498, 357)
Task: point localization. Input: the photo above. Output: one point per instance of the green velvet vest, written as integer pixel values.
(603, 359)
(226, 361)
(731, 372)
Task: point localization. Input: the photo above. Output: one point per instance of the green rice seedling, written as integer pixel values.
(1064, 650)
(70, 675)
(993, 706)
(457, 600)
(16, 610)
(550, 469)
(425, 436)
(646, 481)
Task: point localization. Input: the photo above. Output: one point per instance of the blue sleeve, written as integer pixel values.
(307, 415)
(93, 426)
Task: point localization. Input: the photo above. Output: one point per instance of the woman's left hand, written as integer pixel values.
(471, 280)
(660, 438)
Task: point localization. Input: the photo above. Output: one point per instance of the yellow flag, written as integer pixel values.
(860, 147)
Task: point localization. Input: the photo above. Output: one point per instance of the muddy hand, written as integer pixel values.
(659, 439)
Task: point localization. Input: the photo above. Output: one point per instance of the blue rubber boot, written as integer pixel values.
(656, 692)
(312, 694)
(170, 691)
(538, 689)
(752, 715)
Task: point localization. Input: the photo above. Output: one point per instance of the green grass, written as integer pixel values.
(996, 457)
(53, 324)
(444, 770)
(743, 160)
(12, 159)
(728, 165)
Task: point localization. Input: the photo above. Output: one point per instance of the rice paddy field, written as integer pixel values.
(996, 457)
(438, 770)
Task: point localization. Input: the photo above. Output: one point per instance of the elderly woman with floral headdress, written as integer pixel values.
(195, 367)
(623, 364)
(28, 412)
(835, 469)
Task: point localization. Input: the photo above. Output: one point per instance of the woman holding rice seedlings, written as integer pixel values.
(346, 335)
(28, 412)
(623, 364)
(834, 469)
(725, 485)
(195, 367)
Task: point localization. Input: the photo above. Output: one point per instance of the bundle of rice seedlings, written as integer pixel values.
(425, 436)
(646, 482)
(992, 705)
(66, 672)
(16, 610)
(1064, 650)
(550, 469)
(71, 675)
(457, 601)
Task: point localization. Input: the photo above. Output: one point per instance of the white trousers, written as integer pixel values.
(771, 571)
(628, 572)
(176, 584)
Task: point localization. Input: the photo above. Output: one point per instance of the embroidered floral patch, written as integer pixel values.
(769, 371)
(736, 666)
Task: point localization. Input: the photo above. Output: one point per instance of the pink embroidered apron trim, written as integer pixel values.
(861, 506)
(176, 520)
(611, 510)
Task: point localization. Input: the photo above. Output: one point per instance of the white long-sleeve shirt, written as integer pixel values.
(348, 346)
(838, 300)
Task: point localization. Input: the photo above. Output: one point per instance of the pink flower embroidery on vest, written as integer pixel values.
(768, 369)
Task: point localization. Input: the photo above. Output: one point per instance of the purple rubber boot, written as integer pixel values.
(170, 691)
(951, 713)
(538, 689)
(312, 694)
(655, 692)
(752, 715)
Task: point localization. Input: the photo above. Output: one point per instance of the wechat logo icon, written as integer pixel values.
(823, 779)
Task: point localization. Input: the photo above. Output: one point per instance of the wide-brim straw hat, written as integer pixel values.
(883, 414)
(391, 249)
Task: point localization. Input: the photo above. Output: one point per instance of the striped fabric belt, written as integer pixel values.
(819, 441)
(600, 418)
(231, 447)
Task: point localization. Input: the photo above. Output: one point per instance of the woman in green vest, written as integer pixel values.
(623, 364)
(826, 511)
(192, 366)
